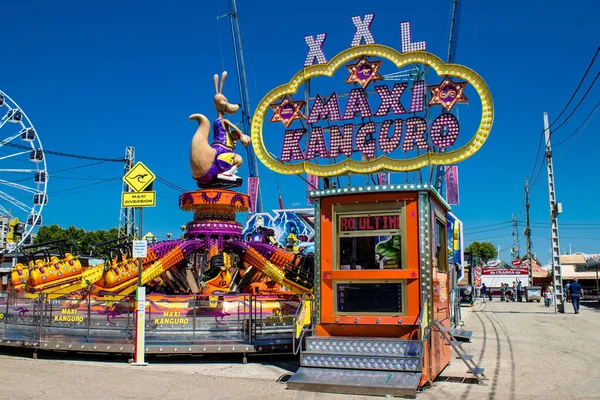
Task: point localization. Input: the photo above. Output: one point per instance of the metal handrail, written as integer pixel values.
(304, 330)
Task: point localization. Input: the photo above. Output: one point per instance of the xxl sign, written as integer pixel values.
(373, 125)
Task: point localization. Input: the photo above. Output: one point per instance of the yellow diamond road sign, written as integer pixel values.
(139, 177)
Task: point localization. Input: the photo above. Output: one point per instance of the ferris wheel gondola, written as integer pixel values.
(23, 176)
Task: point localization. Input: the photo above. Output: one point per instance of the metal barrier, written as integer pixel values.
(174, 324)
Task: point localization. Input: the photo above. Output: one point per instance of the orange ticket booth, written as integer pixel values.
(381, 291)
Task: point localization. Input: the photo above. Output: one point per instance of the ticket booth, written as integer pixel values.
(381, 291)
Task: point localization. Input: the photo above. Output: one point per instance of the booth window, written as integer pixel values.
(370, 298)
(370, 241)
(440, 245)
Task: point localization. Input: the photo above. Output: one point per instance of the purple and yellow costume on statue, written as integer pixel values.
(224, 145)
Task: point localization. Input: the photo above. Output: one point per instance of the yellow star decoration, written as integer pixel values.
(364, 72)
(448, 93)
(287, 111)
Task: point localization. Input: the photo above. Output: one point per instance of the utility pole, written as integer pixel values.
(528, 232)
(555, 209)
(127, 215)
(244, 96)
(514, 252)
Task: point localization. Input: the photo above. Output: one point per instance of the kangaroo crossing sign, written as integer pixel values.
(139, 178)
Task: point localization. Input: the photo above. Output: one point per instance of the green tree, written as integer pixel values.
(483, 251)
(84, 239)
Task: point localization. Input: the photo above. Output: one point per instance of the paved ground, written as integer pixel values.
(528, 352)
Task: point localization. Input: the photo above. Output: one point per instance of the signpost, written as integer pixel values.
(138, 179)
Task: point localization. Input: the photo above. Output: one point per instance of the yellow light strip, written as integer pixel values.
(382, 162)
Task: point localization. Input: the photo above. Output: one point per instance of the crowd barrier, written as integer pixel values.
(241, 323)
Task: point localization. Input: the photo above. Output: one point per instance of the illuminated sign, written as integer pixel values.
(372, 125)
(370, 223)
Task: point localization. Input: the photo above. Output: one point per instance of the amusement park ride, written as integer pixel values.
(359, 285)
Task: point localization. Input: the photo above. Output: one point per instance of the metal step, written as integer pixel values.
(373, 383)
(461, 334)
(361, 362)
(467, 356)
(478, 371)
(457, 343)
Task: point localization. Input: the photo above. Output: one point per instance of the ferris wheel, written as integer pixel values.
(23, 176)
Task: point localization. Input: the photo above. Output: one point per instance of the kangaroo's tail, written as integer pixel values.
(200, 118)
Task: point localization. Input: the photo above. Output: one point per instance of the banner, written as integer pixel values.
(477, 275)
(253, 192)
(313, 183)
(452, 185)
(505, 271)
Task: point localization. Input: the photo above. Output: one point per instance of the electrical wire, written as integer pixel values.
(170, 184)
(487, 226)
(577, 106)
(577, 88)
(511, 246)
(537, 155)
(59, 153)
(582, 126)
(28, 178)
(490, 230)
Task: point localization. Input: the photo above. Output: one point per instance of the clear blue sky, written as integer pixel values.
(97, 77)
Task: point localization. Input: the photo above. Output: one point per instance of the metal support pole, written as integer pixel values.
(557, 283)
(141, 233)
(597, 284)
(528, 233)
(244, 96)
(127, 216)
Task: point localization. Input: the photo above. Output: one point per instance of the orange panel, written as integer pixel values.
(335, 324)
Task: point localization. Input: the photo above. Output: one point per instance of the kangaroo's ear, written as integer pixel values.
(223, 76)
(216, 84)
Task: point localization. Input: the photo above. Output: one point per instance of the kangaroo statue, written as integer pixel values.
(216, 164)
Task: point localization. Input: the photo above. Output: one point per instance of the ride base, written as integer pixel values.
(94, 311)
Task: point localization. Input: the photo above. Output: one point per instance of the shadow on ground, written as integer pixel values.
(288, 362)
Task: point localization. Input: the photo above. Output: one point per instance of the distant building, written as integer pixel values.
(584, 267)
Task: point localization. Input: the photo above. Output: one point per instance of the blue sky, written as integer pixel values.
(97, 78)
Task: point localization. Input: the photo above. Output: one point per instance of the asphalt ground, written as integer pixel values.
(528, 351)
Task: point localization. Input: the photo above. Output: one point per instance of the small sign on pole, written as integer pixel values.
(140, 327)
(140, 249)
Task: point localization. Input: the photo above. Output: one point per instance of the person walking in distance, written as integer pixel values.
(514, 292)
(483, 291)
(566, 294)
(548, 296)
(576, 293)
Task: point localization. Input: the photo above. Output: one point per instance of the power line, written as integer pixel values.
(512, 245)
(170, 184)
(537, 155)
(583, 125)
(578, 104)
(487, 226)
(59, 153)
(577, 88)
(489, 230)
(51, 173)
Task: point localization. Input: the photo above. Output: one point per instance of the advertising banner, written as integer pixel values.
(253, 192)
(505, 271)
(452, 185)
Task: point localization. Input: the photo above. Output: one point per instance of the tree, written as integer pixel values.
(483, 251)
(84, 239)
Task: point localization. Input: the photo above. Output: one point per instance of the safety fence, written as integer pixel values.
(174, 324)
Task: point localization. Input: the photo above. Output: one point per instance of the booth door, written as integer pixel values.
(441, 299)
